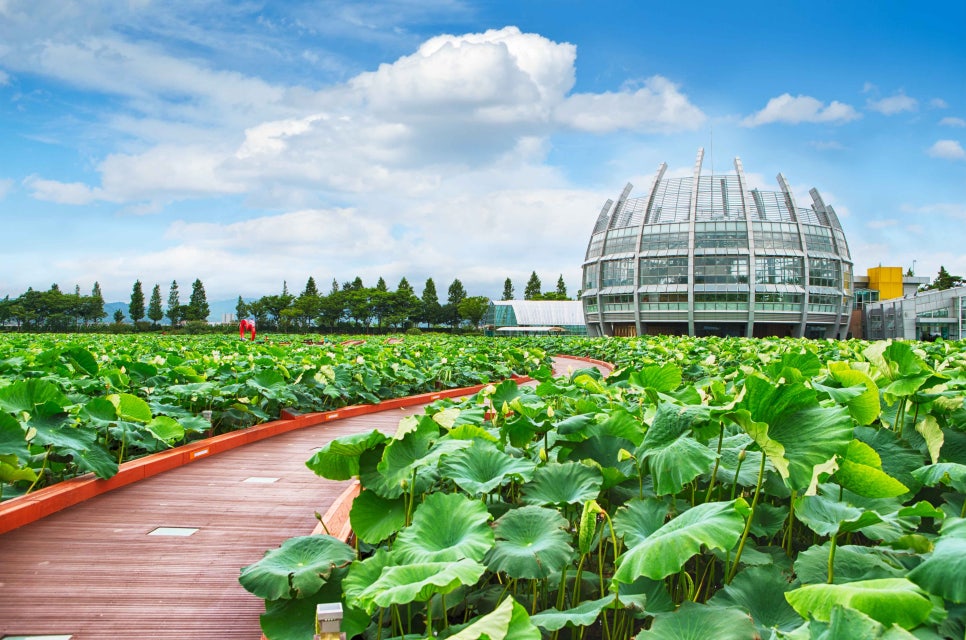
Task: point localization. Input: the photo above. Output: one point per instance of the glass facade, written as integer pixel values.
(699, 252)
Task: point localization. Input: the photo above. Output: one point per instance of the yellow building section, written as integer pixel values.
(887, 281)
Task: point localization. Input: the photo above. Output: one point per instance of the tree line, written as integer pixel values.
(349, 306)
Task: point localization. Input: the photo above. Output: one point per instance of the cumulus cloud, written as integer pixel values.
(62, 192)
(790, 109)
(458, 102)
(952, 122)
(947, 150)
(5, 186)
(947, 209)
(893, 104)
(938, 103)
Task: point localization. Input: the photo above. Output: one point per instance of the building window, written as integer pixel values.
(590, 305)
(720, 235)
(656, 271)
(778, 301)
(779, 270)
(720, 300)
(617, 273)
(621, 240)
(818, 239)
(674, 301)
(824, 272)
(823, 303)
(665, 237)
(618, 302)
(721, 269)
(596, 245)
(772, 236)
(590, 276)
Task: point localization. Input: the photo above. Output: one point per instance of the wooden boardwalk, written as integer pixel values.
(96, 571)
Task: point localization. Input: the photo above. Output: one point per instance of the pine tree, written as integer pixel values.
(97, 304)
(198, 303)
(943, 281)
(507, 290)
(310, 288)
(533, 287)
(136, 307)
(430, 299)
(381, 285)
(241, 309)
(561, 288)
(455, 295)
(118, 316)
(155, 312)
(173, 311)
(335, 287)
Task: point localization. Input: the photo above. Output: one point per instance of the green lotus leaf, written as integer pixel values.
(531, 542)
(481, 468)
(637, 519)
(26, 395)
(899, 459)
(932, 433)
(509, 621)
(865, 407)
(339, 459)
(887, 600)
(297, 569)
(853, 563)
(11, 471)
(130, 407)
(563, 483)
(81, 359)
(663, 378)
(855, 625)
(944, 572)
(294, 618)
(760, 591)
(792, 429)
(716, 525)
(860, 471)
(362, 574)
(949, 473)
(418, 582)
(471, 432)
(165, 429)
(675, 458)
(700, 622)
(605, 453)
(446, 527)
(827, 516)
(13, 438)
(583, 615)
(375, 518)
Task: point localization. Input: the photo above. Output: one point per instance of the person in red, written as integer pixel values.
(246, 325)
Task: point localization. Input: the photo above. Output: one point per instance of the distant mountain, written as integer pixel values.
(219, 311)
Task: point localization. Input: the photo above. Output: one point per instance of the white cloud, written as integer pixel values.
(62, 192)
(657, 107)
(893, 104)
(947, 149)
(4, 78)
(938, 103)
(5, 186)
(794, 110)
(881, 224)
(947, 209)
(952, 122)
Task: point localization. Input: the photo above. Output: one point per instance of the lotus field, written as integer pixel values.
(708, 489)
(84, 403)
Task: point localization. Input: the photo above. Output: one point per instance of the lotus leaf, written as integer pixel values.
(531, 542)
(886, 600)
(446, 527)
(297, 569)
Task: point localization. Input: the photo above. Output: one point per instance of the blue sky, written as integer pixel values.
(251, 143)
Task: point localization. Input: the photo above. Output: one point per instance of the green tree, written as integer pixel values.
(173, 311)
(96, 311)
(118, 316)
(310, 288)
(561, 288)
(943, 281)
(532, 289)
(507, 290)
(136, 307)
(454, 295)
(473, 309)
(430, 311)
(241, 309)
(198, 303)
(403, 306)
(155, 312)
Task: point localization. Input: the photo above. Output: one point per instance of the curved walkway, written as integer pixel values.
(96, 570)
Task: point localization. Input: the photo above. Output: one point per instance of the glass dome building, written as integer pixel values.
(707, 255)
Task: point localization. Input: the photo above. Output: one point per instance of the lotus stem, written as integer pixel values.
(787, 537)
(43, 467)
(717, 463)
(751, 516)
(831, 557)
(741, 459)
(442, 598)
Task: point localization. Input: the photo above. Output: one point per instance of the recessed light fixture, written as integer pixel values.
(181, 532)
(260, 480)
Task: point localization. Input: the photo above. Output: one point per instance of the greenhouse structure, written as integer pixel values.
(534, 317)
(710, 255)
